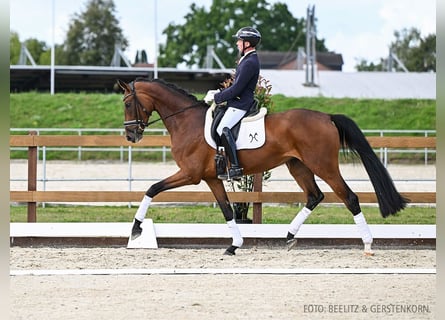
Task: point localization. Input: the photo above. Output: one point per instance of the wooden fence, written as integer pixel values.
(257, 197)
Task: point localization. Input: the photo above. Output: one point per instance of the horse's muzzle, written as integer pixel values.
(134, 135)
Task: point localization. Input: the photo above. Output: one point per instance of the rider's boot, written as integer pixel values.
(235, 172)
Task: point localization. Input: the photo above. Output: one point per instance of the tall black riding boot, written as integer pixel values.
(235, 172)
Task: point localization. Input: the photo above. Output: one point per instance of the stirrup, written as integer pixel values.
(234, 173)
(223, 176)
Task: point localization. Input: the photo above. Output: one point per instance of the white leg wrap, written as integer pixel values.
(143, 207)
(299, 220)
(236, 235)
(363, 228)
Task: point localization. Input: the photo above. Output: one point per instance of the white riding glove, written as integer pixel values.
(210, 96)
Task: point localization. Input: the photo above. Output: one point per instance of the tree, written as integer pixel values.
(14, 47)
(45, 57)
(92, 35)
(364, 65)
(423, 57)
(188, 43)
(35, 47)
(417, 54)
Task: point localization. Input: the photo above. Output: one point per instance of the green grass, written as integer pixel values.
(398, 114)
(323, 214)
(93, 110)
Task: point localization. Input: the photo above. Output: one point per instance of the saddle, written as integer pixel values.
(249, 133)
(219, 111)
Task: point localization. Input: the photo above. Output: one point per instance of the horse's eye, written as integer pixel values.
(127, 105)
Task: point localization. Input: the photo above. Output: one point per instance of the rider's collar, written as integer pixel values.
(245, 55)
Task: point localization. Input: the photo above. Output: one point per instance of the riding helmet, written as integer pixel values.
(249, 34)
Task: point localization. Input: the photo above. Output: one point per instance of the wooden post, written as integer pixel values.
(32, 179)
(257, 206)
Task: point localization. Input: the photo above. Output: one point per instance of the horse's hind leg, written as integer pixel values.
(350, 199)
(305, 179)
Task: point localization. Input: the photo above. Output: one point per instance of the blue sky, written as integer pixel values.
(355, 28)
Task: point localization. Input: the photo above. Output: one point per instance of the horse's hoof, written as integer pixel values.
(136, 231)
(368, 251)
(291, 243)
(230, 251)
(135, 236)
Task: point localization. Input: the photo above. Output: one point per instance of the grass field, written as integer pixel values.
(90, 110)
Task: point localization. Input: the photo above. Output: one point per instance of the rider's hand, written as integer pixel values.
(210, 96)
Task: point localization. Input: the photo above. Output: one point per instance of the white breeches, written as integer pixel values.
(230, 118)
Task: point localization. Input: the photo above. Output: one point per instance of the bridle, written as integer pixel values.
(139, 121)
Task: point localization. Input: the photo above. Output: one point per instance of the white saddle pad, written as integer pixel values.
(251, 134)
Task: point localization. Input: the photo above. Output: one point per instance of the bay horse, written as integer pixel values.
(307, 142)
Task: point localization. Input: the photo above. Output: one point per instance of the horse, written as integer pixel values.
(308, 142)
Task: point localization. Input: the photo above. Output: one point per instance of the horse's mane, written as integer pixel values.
(170, 86)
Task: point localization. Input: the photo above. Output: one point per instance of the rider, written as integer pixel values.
(239, 96)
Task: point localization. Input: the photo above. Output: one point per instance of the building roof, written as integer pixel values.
(287, 60)
(330, 59)
(102, 79)
(274, 59)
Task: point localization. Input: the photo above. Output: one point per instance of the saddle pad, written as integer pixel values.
(251, 134)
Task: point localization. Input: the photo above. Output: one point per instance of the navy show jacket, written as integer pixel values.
(240, 94)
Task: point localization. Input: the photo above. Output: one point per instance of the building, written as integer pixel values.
(329, 61)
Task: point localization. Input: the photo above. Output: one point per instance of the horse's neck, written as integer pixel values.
(175, 110)
(184, 120)
(181, 116)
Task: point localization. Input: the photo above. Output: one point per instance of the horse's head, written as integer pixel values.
(137, 112)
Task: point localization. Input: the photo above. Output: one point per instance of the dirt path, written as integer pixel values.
(221, 296)
(255, 257)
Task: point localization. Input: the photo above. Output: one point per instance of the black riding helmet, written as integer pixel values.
(248, 34)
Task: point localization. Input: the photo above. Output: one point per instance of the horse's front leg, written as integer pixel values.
(217, 188)
(177, 180)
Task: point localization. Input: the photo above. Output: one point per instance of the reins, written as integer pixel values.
(139, 121)
(177, 112)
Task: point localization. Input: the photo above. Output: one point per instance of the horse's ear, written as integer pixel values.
(120, 86)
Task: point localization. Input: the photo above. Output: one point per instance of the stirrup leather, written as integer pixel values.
(220, 162)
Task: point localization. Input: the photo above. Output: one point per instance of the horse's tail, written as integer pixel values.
(351, 137)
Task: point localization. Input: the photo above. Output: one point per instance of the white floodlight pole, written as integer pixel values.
(156, 40)
(53, 47)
